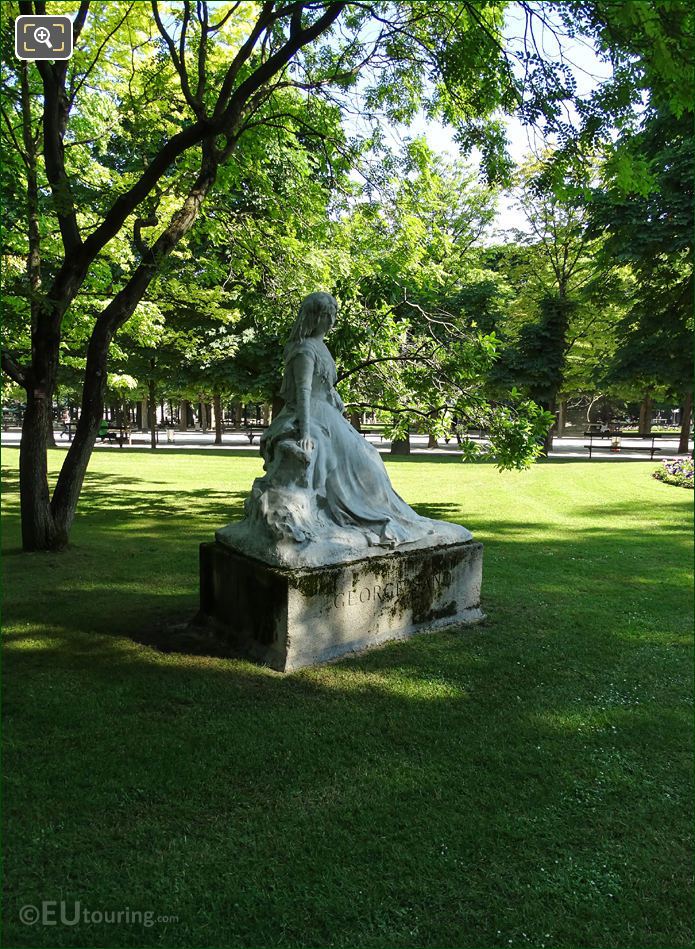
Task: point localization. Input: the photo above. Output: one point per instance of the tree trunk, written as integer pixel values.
(686, 411)
(561, 418)
(217, 407)
(432, 441)
(550, 434)
(152, 406)
(145, 414)
(202, 407)
(44, 528)
(34, 254)
(34, 233)
(645, 415)
(38, 527)
(184, 409)
(277, 406)
(401, 446)
(69, 484)
(356, 421)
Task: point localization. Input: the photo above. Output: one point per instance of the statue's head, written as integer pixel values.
(316, 316)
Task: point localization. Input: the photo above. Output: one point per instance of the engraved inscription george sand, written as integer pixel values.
(377, 593)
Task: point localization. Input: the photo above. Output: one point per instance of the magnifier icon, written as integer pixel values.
(43, 35)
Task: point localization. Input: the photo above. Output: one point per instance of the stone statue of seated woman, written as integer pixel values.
(325, 497)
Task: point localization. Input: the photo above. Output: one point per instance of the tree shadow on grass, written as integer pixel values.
(147, 452)
(438, 510)
(680, 506)
(104, 495)
(188, 504)
(10, 480)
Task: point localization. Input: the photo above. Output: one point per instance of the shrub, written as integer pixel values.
(676, 471)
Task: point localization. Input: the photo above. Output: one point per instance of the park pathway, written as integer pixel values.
(568, 447)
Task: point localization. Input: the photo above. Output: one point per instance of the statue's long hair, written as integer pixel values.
(312, 309)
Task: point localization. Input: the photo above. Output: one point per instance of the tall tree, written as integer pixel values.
(556, 271)
(410, 348)
(646, 210)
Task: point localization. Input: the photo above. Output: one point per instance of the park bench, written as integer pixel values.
(622, 446)
(249, 430)
(116, 435)
(477, 431)
(371, 430)
(111, 435)
(610, 432)
(252, 430)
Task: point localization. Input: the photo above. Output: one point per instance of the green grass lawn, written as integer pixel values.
(527, 782)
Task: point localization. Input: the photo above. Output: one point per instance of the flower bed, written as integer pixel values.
(677, 471)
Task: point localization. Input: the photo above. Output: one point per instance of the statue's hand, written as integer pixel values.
(306, 444)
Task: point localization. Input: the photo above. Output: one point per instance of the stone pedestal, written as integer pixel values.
(289, 618)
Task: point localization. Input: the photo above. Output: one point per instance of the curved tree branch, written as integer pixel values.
(412, 357)
(178, 57)
(16, 372)
(83, 78)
